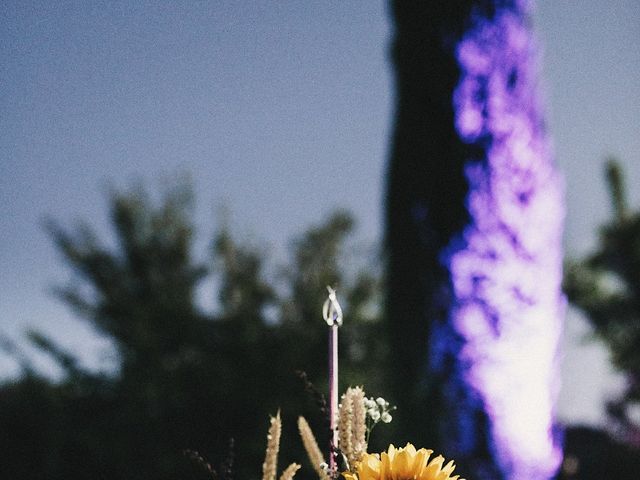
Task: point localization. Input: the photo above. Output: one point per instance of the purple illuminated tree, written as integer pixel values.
(474, 224)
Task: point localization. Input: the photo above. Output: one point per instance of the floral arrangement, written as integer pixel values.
(351, 423)
(357, 415)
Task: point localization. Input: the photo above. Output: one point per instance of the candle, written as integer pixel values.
(332, 314)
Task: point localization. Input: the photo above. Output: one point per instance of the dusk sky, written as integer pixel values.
(280, 112)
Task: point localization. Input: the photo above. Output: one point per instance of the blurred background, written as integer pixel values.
(206, 168)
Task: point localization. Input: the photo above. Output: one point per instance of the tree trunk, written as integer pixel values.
(474, 220)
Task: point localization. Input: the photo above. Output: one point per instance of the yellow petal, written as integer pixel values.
(433, 469)
(402, 466)
(369, 468)
(422, 458)
(446, 471)
(391, 451)
(411, 449)
(449, 468)
(385, 466)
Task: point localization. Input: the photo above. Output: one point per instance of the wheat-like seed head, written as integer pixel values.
(352, 425)
(345, 416)
(311, 446)
(290, 471)
(270, 465)
(359, 426)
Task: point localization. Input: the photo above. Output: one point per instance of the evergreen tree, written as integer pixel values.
(605, 285)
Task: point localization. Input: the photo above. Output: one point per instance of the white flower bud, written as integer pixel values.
(380, 401)
(375, 415)
(386, 417)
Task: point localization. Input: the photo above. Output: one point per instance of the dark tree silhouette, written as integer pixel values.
(605, 285)
(186, 379)
(591, 454)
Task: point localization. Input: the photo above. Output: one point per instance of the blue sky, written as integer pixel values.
(279, 110)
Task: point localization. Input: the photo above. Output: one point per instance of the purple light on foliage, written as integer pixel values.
(506, 268)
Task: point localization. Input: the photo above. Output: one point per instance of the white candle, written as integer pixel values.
(332, 314)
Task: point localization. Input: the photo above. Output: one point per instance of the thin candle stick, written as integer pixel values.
(333, 391)
(332, 314)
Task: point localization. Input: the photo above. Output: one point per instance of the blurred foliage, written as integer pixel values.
(605, 285)
(591, 454)
(187, 379)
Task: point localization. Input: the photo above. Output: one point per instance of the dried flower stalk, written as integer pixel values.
(270, 465)
(359, 426)
(352, 425)
(199, 460)
(311, 446)
(290, 471)
(345, 415)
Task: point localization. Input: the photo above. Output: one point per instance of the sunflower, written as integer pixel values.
(402, 464)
